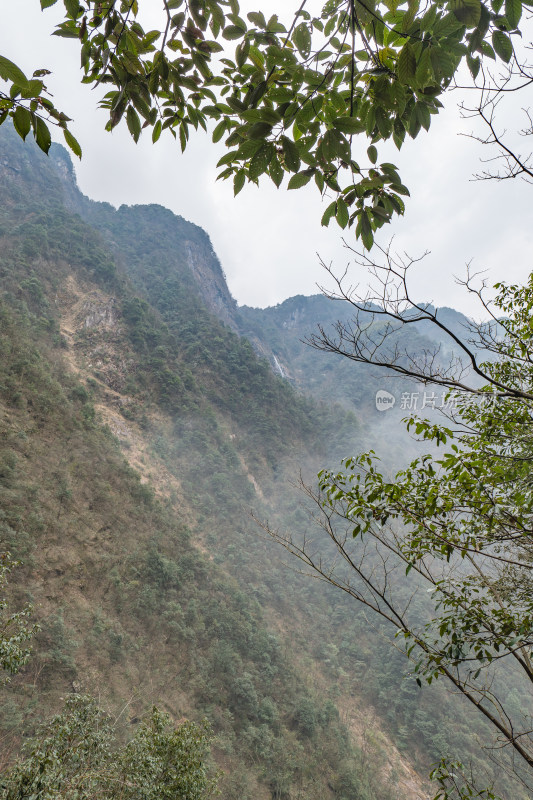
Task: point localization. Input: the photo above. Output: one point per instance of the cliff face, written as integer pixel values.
(194, 259)
(211, 281)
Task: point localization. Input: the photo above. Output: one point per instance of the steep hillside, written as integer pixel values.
(137, 430)
(153, 582)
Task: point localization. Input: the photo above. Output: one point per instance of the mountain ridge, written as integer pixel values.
(210, 281)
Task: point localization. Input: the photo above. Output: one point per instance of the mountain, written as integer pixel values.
(138, 428)
(282, 334)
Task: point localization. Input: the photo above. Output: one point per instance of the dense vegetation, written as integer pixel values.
(169, 595)
(76, 756)
(119, 586)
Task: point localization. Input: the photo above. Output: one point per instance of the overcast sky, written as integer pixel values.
(268, 239)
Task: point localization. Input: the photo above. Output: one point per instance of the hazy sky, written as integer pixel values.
(268, 239)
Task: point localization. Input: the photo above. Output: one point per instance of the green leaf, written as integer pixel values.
(335, 145)
(348, 125)
(227, 158)
(302, 39)
(259, 130)
(85, 54)
(269, 115)
(257, 18)
(257, 93)
(372, 153)
(22, 121)
(414, 124)
(140, 104)
(150, 38)
(502, 45)
(441, 62)
(134, 123)
(47, 4)
(291, 154)
(235, 104)
(156, 133)
(330, 26)
(299, 180)
(383, 122)
(248, 149)
(33, 89)
(368, 239)
(412, 10)
(424, 73)
(41, 134)
(487, 50)
(275, 170)
(219, 131)
(342, 214)
(238, 181)
(406, 64)
(72, 7)
(183, 136)
(329, 213)
(10, 72)
(513, 12)
(466, 11)
(401, 189)
(131, 63)
(66, 31)
(72, 142)
(331, 181)
(386, 166)
(257, 58)
(241, 53)
(423, 115)
(233, 32)
(474, 65)
(366, 231)
(261, 160)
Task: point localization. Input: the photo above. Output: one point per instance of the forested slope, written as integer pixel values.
(150, 589)
(137, 431)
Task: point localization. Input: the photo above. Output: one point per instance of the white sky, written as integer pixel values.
(267, 239)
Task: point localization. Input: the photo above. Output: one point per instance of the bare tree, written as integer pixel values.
(456, 529)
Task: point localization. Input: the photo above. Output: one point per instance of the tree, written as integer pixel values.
(77, 755)
(459, 524)
(289, 101)
(14, 629)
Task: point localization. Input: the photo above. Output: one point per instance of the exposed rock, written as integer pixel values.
(212, 286)
(100, 313)
(294, 318)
